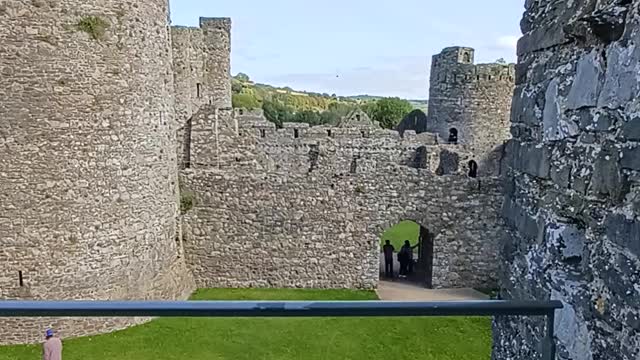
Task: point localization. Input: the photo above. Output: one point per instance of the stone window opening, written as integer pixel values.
(358, 117)
(329, 133)
(473, 169)
(296, 133)
(241, 112)
(453, 136)
(466, 57)
(420, 158)
(186, 150)
(20, 278)
(177, 240)
(354, 164)
(199, 90)
(263, 133)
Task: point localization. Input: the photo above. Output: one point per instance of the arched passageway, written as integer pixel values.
(406, 254)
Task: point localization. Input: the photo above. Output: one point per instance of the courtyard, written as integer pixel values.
(434, 338)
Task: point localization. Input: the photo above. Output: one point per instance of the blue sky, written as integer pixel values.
(351, 47)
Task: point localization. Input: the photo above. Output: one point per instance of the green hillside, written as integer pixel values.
(284, 104)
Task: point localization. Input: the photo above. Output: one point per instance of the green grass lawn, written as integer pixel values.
(282, 339)
(406, 230)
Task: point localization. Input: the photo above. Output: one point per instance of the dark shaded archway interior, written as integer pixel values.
(422, 241)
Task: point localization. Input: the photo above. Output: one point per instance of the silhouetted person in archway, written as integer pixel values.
(453, 136)
(405, 256)
(473, 169)
(388, 250)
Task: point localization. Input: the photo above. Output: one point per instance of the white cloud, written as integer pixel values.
(508, 42)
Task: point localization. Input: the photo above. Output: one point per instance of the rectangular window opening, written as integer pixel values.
(296, 133)
(20, 278)
(263, 133)
(199, 90)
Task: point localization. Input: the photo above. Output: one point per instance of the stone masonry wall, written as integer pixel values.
(474, 99)
(88, 178)
(306, 207)
(322, 230)
(202, 72)
(217, 47)
(572, 195)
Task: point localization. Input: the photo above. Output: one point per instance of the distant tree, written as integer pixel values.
(390, 111)
(309, 117)
(236, 87)
(277, 112)
(370, 108)
(501, 61)
(242, 77)
(246, 101)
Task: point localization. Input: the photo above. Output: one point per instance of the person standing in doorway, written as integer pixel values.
(52, 347)
(388, 251)
(407, 255)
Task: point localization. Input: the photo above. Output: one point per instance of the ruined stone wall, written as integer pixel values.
(474, 99)
(322, 230)
(269, 202)
(251, 143)
(188, 71)
(573, 187)
(88, 179)
(217, 48)
(202, 73)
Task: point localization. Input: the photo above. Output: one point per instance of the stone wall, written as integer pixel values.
(305, 207)
(88, 179)
(217, 47)
(322, 230)
(473, 99)
(202, 72)
(573, 186)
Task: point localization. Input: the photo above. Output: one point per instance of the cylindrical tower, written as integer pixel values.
(88, 180)
(217, 66)
(469, 103)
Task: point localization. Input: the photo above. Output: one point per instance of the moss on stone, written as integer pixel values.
(94, 26)
(187, 200)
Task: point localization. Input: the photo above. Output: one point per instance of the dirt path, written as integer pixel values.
(396, 291)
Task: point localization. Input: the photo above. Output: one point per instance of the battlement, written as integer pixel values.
(455, 54)
(216, 22)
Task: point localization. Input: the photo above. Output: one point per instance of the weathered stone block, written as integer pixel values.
(555, 127)
(532, 159)
(624, 232)
(621, 83)
(631, 158)
(608, 178)
(631, 129)
(586, 85)
(541, 38)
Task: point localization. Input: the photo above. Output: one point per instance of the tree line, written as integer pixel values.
(282, 105)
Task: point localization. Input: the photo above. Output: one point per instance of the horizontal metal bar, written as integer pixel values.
(273, 308)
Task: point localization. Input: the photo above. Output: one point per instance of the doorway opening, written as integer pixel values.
(406, 254)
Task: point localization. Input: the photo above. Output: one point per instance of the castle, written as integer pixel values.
(126, 174)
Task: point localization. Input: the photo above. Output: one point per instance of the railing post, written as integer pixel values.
(550, 344)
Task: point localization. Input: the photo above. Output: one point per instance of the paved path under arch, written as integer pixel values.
(399, 291)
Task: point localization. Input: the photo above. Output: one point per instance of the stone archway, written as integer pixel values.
(424, 270)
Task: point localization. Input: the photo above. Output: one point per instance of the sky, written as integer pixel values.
(355, 47)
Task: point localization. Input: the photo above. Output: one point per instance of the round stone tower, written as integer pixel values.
(470, 104)
(88, 180)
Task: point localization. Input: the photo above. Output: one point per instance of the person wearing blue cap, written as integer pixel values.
(52, 347)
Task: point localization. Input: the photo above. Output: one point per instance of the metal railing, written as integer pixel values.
(287, 309)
